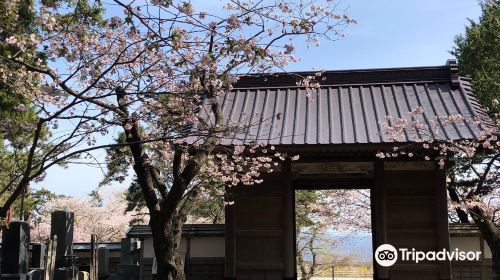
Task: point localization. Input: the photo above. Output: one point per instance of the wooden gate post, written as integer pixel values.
(93, 258)
(50, 259)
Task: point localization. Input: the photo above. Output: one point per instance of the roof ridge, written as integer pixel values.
(448, 72)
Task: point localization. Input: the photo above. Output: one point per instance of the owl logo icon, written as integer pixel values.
(386, 255)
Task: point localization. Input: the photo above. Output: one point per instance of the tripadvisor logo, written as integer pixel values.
(387, 255)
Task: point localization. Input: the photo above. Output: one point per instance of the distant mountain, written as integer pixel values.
(357, 245)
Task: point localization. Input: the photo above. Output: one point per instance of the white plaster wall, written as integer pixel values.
(469, 243)
(208, 247)
(182, 248)
(465, 243)
(200, 247)
(147, 248)
(148, 251)
(487, 251)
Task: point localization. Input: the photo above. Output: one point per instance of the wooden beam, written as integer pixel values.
(288, 223)
(230, 259)
(379, 217)
(332, 184)
(442, 221)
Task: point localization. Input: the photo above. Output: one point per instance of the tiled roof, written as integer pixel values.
(85, 246)
(348, 107)
(141, 231)
(462, 229)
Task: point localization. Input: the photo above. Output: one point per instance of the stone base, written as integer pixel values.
(127, 272)
(68, 273)
(36, 274)
(83, 275)
(15, 277)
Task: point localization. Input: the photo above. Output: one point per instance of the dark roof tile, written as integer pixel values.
(348, 107)
(141, 231)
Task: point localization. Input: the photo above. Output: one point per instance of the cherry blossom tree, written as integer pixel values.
(473, 186)
(106, 219)
(147, 69)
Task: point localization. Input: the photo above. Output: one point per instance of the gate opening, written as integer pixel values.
(333, 234)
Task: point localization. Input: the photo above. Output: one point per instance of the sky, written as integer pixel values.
(389, 33)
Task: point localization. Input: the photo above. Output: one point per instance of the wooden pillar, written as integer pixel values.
(187, 256)
(485, 268)
(288, 224)
(230, 269)
(442, 221)
(379, 217)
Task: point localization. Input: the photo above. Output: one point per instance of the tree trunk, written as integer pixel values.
(490, 233)
(462, 214)
(166, 240)
(167, 213)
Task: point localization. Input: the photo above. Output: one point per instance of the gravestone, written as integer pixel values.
(37, 255)
(103, 262)
(62, 224)
(66, 273)
(126, 248)
(15, 242)
(127, 270)
(35, 274)
(83, 275)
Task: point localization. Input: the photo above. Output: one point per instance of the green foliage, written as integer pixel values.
(21, 23)
(478, 54)
(134, 197)
(17, 95)
(206, 207)
(83, 12)
(306, 216)
(303, 198)
(33, 203)
(209, 207)
(17, 115)
(118, 164)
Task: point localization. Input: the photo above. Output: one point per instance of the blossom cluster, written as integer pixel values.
(107, 220)
(474, 183)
